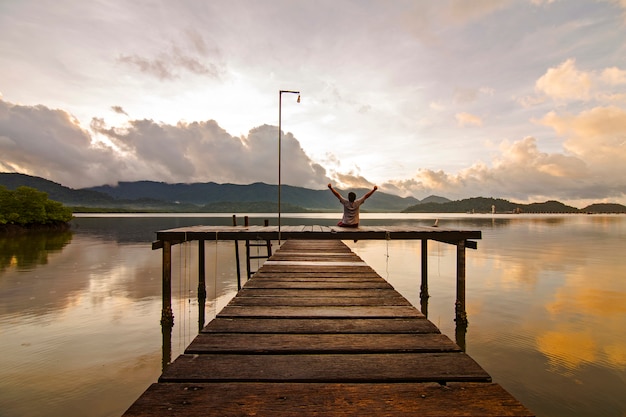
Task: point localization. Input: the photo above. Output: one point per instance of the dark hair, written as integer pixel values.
(351, 196)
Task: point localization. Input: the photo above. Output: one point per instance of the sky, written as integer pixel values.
(517, 99)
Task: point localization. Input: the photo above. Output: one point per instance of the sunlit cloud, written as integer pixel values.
(598, 136)
(466, 119)
(565, 82)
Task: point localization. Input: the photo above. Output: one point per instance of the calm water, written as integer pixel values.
(546, 302)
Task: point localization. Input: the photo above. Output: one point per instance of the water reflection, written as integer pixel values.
(545, 300)
(26, 250)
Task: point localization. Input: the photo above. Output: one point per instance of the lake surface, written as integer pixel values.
(546, 304)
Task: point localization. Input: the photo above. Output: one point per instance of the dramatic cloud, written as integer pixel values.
(597, 136)
(523, 173)
(49, 143)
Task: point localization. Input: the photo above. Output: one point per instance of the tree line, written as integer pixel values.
(26, 206)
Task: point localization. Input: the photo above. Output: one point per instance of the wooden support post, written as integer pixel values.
(460, 313)
(246, 222)
(201, 284)
(167, 317)
(237, 256)
(266, 223)
(424, 284)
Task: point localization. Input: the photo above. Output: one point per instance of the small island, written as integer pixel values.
(26, 208)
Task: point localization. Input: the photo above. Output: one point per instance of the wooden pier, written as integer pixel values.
(317, 332)
(462, 239)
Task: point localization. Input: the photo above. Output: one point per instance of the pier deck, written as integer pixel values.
(462, 239)
(317, 332)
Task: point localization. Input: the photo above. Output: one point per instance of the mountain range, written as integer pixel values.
(151, 196)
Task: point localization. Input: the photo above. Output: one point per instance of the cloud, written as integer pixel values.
(351, 180)
(49, 143)
(520, 171)
(597, 135)
(614, 76)
(119, 110)
(194, 57)
(425, 20)
(565, 82)
(466, 119)
(203, 151)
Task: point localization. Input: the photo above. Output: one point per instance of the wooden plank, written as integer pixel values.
(294, 277)
(312, 267)
(317, 400)
(318, 292)
(316, 312)
(319, 301)
(337, 259)
(314, 284)
(319, 276)
(320, 343)
(397, 367)
(315, 264)
(321, 325)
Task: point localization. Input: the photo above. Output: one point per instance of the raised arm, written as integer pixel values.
(369, 193)
(330, 187)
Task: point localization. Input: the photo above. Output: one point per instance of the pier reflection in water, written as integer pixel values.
(79, 316)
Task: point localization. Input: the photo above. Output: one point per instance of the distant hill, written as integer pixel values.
(604, 208)
(434, 199)
(55, 191)
(485, 205)
(211, 193)
(200, 197)
(210, 197)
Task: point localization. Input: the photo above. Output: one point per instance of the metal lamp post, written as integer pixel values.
(280, 105)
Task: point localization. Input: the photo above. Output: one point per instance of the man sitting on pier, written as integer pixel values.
(351, 207)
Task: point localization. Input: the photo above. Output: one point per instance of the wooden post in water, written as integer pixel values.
(237, 256)
(460, 313)
(266, 223)
(424, 285)
(167, 317)
(201, 284)
(246, 223)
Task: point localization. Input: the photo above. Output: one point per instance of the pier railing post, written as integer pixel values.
(460, 313)
(237, 256)
(201, 284)
(424, 283)
(167, 316)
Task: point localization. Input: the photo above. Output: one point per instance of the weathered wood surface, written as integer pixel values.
(313, 232)
(326, 399)
(323, 341)
(325, 367)
(246, 325)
